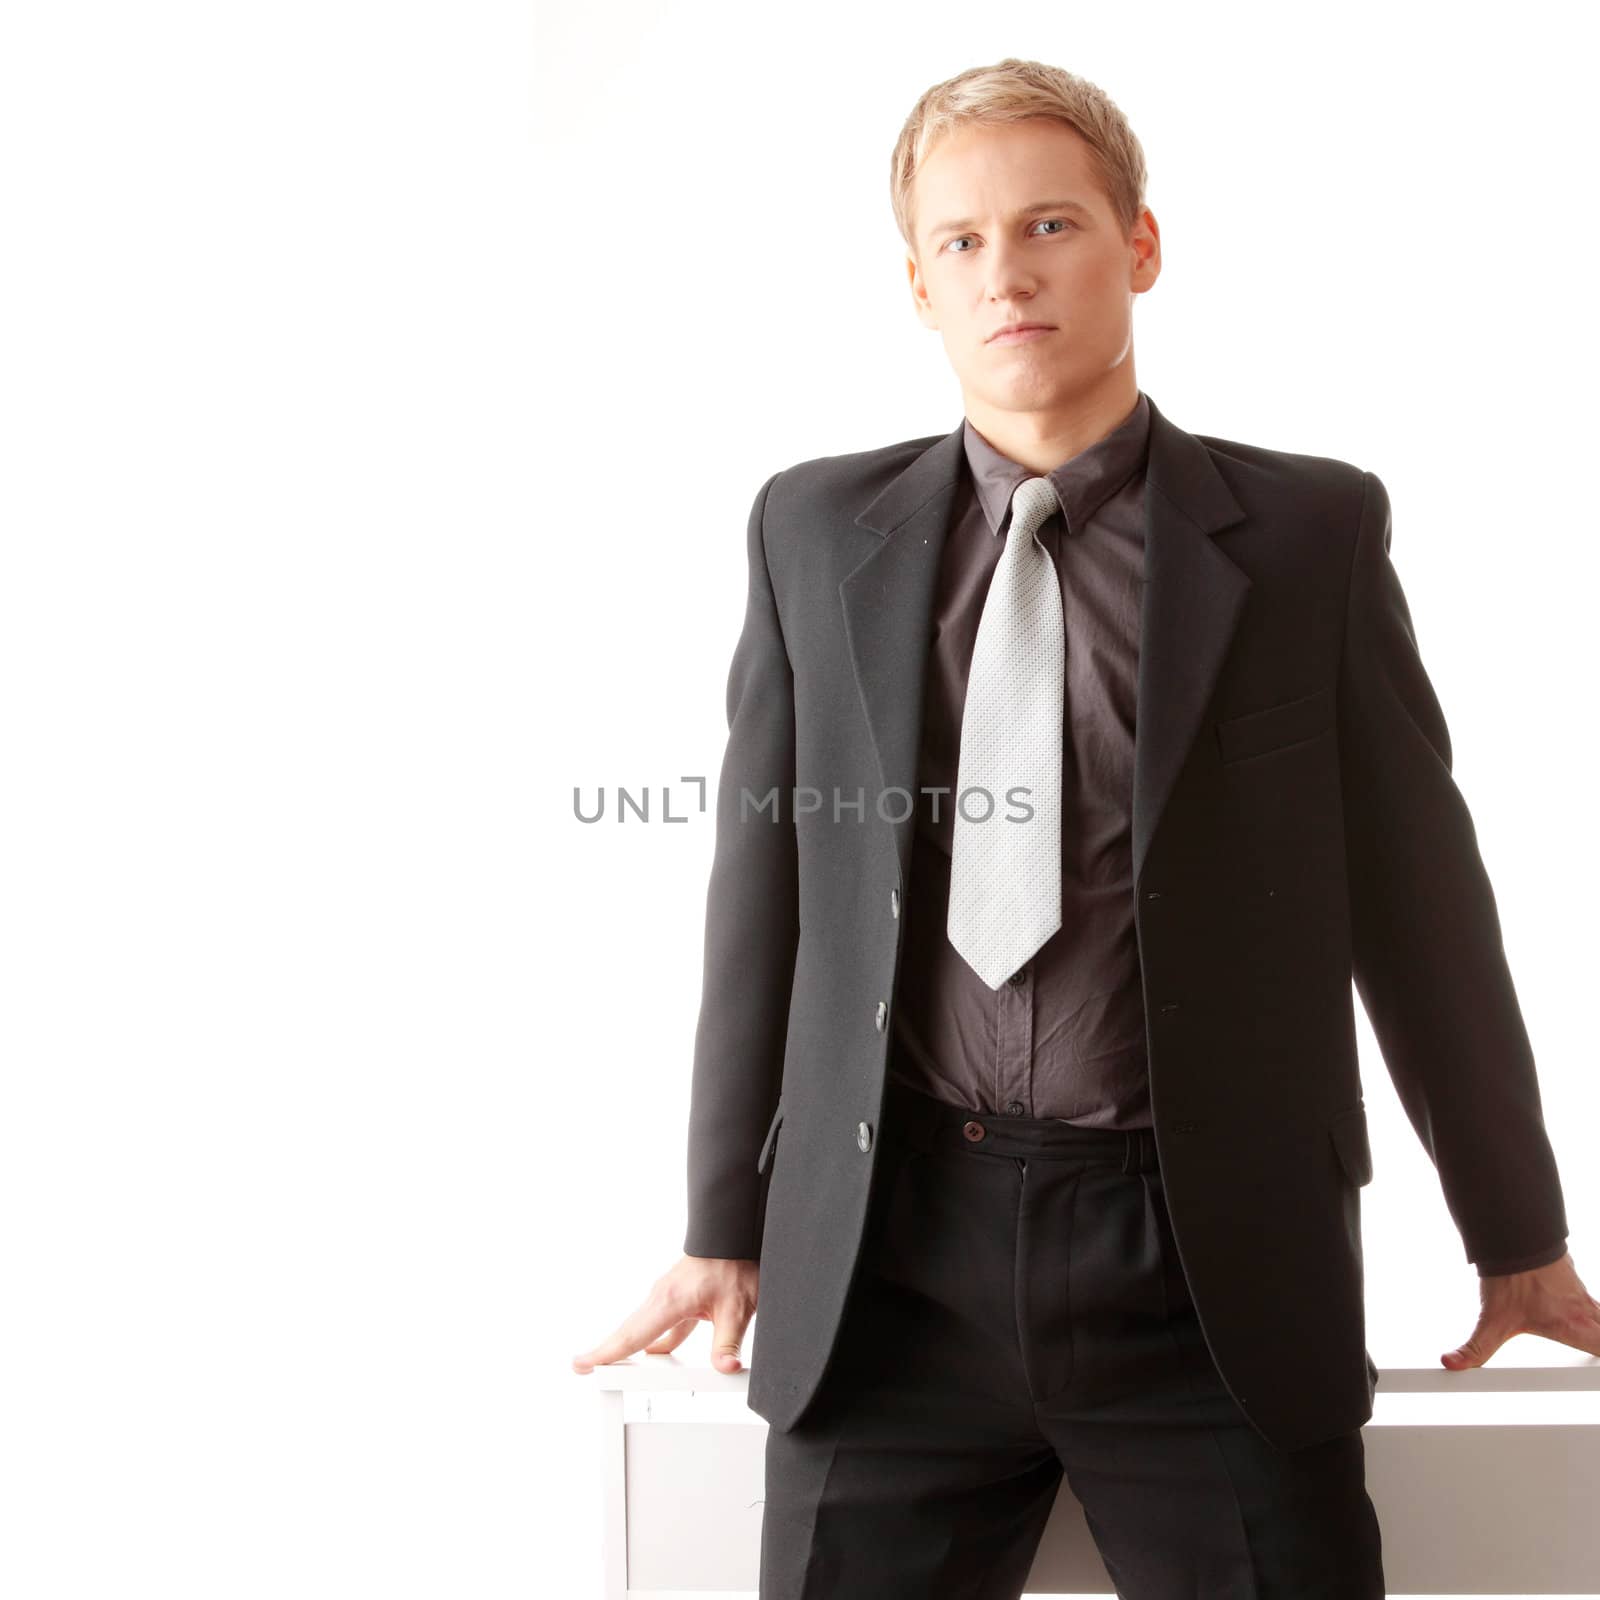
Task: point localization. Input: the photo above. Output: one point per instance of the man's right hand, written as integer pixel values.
(695, 1289)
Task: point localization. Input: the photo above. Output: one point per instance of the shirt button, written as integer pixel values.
(1018, 978)
(894, 902)
(1014, 1108)
(883, 1012)
(864, 1135)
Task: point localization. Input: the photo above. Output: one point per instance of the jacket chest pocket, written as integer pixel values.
(1289, 722)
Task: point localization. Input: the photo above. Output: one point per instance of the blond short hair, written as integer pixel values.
(1008, 91)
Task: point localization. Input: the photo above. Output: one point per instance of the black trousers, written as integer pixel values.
(1020, 1313)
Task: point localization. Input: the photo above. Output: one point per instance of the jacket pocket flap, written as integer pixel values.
(771, 1139)
(1286, 723)
(1349, 1133)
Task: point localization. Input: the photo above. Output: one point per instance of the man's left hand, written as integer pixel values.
(1549, 1301)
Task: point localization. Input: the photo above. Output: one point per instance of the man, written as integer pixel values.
(1076, 765)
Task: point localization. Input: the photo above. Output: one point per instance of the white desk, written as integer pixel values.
(1486, 1482)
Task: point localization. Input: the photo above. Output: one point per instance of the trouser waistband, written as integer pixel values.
(914, 1118)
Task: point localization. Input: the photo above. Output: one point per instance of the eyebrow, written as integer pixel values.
(1027, 211)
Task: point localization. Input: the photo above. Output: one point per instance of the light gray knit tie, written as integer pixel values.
(1005, 873)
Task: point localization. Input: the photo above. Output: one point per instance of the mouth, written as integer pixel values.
(1020, 332)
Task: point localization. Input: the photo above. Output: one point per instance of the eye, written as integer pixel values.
(1062, 222)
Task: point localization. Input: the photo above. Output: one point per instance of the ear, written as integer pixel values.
(919, 294)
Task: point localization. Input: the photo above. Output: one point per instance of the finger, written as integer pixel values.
(672, 1338)
(1486, 1338)
(727, 1333)
(650, 1321)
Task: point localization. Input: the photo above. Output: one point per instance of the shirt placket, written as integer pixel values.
(1013, 1077)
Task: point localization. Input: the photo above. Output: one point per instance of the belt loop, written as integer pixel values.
(1138, 1154)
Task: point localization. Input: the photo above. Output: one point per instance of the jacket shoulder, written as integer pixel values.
(851, 476)
(1259, 474)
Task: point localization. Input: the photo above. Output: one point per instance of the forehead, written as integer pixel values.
(981, 171)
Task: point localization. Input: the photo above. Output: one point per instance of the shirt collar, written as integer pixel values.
(1083, 483)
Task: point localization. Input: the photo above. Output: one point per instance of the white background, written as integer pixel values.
(385, 389)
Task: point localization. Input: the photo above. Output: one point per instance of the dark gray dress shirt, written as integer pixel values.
(1065, 1036)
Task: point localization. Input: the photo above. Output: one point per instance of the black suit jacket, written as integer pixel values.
(1295, 824)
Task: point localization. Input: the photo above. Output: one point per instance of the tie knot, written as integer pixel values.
(1032, 501)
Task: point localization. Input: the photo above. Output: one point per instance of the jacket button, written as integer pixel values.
(864, 1135)
(894, 902)
(883, 1013)
(974, 1130)
(1152, 894)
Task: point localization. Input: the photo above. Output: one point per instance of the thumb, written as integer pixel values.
(1483, 1343)
(728, 1326)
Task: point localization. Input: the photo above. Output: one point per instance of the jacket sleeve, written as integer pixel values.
(1429, 963)
(751, 932)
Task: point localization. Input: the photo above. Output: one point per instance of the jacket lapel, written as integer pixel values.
(1193, 596)
(888, 620)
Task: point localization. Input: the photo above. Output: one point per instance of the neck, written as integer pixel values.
(1042, 440)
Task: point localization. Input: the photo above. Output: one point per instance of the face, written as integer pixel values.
(998, 242)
